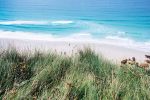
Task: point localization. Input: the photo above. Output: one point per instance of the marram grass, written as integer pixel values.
(84, 76)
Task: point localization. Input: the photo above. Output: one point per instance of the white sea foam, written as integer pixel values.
(46, 37)
(127, 42)
(23, 22)
(24, 35)
(28, 22)
(62, 22)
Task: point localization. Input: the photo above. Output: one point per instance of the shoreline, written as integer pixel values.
(113, 53)
(82, 37)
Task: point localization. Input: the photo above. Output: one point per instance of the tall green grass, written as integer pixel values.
(84, 76)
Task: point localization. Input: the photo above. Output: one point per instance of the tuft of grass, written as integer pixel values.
(85, 76)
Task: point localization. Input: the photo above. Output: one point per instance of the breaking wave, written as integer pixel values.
(62, 22)
(26, 22)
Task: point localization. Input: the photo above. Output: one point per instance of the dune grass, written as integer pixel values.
(84, 76)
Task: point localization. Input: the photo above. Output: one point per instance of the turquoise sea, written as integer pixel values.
(118, 22)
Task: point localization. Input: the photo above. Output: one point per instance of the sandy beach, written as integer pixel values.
(111, 52)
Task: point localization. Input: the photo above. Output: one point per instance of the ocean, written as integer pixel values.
(117, 22)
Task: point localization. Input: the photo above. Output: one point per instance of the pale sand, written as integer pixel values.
(111, 52)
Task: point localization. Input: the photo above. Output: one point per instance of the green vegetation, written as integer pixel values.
(84, 76)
